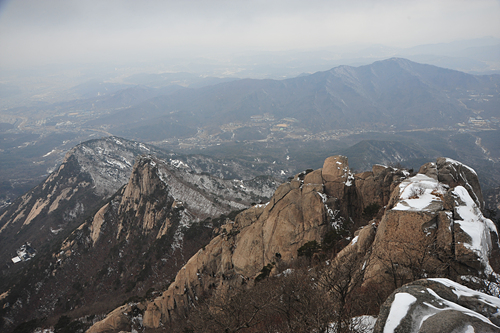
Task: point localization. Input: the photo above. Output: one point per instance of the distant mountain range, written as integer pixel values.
(435, 111)
(392, 94)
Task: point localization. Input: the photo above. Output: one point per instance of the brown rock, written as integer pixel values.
(293, 217)
(114, 322)
(314, 177)
(366, 237)
(430, 170)
(335, 169)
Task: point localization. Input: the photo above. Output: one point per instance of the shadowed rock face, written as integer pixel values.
(90, 173)
(438, 305)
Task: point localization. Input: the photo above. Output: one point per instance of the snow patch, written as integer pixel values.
(116, 163)
(451, 161)
(50, 152)
(474, 224)
(448, 305)
(460, 291)
(350, 179)
(179, 164)
(419, 192)
(399, 309)
(143, 147)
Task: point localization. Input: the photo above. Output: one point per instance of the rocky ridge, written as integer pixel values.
(135, 242)
(432, 210)
(90, 173)
(438, 305)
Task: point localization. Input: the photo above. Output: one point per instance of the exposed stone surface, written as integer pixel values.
(455, 174)
(415, 232)
(116, 321)
(299, 211)
(422, 229)
(438, 305)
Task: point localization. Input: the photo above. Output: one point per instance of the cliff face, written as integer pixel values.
(303, 210)
(428, 224)
(135, 242)
(433, 225)
(160, 227)
(90, 173)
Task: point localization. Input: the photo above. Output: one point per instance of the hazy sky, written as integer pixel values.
(36, 32)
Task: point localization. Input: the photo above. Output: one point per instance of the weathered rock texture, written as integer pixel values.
(90, 173)
(301, 210)
(433, 226)
(422, 223)
(137, 240)
(438, 305)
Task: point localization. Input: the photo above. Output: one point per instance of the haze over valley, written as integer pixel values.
(249, 166)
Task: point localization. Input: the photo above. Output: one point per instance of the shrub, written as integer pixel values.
(371, 211)
(309, 249)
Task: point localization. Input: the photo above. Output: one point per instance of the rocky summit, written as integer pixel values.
(174, 249)
(407, 227)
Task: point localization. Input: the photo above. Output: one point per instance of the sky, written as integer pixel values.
(38, 32)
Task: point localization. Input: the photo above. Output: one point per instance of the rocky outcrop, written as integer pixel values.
(301, 210)
(433, 225)
(137, 240)
(438, 305)
(155, 189)
(90, 173)
(423, 226)
(292, 217)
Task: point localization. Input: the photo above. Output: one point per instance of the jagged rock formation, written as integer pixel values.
(94, 170)
(301, 210)
(90, 172)
(135, 242)
(427, 224)
(433, 225)
(438, 305)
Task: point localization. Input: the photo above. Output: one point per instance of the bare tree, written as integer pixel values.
(342, 279)
(236, 310)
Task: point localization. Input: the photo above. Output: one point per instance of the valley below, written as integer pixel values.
(324, 202)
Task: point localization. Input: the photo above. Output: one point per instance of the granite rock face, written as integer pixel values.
(301, 210)
(421, 222)
(438, 305)
(433, 225)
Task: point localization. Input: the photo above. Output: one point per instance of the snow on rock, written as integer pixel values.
(462, 291)
(438, 305)
(474, 224)
(456, 163)
(399, 309)
(420, 193)
(179, 164)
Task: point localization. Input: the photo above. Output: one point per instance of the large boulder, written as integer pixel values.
(455, 174)
(438, 305)
(433, 225)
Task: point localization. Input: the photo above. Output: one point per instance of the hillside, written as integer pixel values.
(160, 248)
(426, 225)
(130, 244)
(386, 95)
